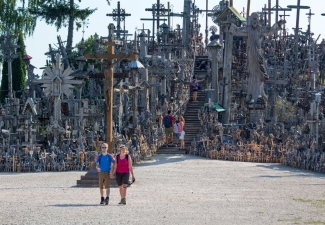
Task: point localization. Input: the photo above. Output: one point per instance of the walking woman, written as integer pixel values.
(123, 167)
(182, 132)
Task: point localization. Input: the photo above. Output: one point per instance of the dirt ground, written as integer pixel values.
(171, 189)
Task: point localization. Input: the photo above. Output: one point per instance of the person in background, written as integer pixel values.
(196, 88)
(182, 132)
(176, 132)
(168, 124)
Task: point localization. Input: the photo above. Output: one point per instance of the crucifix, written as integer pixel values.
(309, 23)
(119, 16)
(298, 7)
(108, 64)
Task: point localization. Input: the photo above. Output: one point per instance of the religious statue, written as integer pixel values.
(255, 62)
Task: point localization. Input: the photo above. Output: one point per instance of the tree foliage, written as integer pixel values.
(62, 13)
(15, 16)
(18, 72)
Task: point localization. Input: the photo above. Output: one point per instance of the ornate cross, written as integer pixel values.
(118, 16)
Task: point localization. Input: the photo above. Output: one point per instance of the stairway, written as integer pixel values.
(192, 124)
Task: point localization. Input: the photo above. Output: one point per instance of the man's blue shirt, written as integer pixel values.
(105, 162)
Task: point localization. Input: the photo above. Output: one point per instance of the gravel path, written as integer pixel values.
(171, 189)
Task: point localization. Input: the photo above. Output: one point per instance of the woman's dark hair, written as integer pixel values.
(194, 77)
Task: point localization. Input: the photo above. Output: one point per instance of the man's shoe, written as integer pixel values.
(123, 200)
(106, 200)
(102, 200)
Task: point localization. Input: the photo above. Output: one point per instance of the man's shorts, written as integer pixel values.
(122, 178)
(104, 179)
(169, 131)
(177, 135)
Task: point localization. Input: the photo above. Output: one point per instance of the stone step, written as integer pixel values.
(170, 151)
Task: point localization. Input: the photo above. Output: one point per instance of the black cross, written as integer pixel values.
(298, 7)
(119, 16)
(277, 9)
(153, 24)
(159, 11)
(309, 22)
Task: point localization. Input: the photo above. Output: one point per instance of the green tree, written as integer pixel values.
(18, 71)
(4, 82)
(19, 68)
(16, 17)
(62, 13)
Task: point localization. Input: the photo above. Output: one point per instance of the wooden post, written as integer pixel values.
(248, 7)
(108, 84)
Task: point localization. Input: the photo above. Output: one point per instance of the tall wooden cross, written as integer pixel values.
(119, 16)
(108, 64)
(298, 7)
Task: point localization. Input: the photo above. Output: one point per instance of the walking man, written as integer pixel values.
(104, 163)
(168, 124)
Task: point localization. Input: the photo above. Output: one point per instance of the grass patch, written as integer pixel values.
(295, 220)
(318, 222)
(303, 200)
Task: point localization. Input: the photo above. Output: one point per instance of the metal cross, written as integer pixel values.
(298, 7)
(119, 16)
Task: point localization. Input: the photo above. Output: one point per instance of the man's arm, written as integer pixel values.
(97, 164)
(268, 31)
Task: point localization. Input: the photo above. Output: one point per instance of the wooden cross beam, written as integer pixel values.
(108, 64)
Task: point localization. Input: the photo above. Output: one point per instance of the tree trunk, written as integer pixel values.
(70, 29)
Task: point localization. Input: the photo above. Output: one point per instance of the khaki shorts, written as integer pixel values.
(169, 131)
(104, 179)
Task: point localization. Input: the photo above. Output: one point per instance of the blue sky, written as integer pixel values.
(44, 34)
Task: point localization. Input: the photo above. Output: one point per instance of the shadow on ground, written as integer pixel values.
(74, 205)
(167, 158)
(292, 172)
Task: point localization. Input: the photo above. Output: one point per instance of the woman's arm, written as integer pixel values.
(113, 170)
(131, 167)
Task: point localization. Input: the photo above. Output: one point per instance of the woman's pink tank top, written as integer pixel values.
(122, 165)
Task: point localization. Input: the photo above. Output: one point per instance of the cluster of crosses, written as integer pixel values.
(263, 92)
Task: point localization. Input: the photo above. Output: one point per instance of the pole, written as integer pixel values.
(269, 9)
(10, 96)
(109, 79)
(206, 23)
(248, 7)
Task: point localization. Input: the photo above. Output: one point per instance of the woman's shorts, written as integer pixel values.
(122, 178)
(181, 137)
(177, 135)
